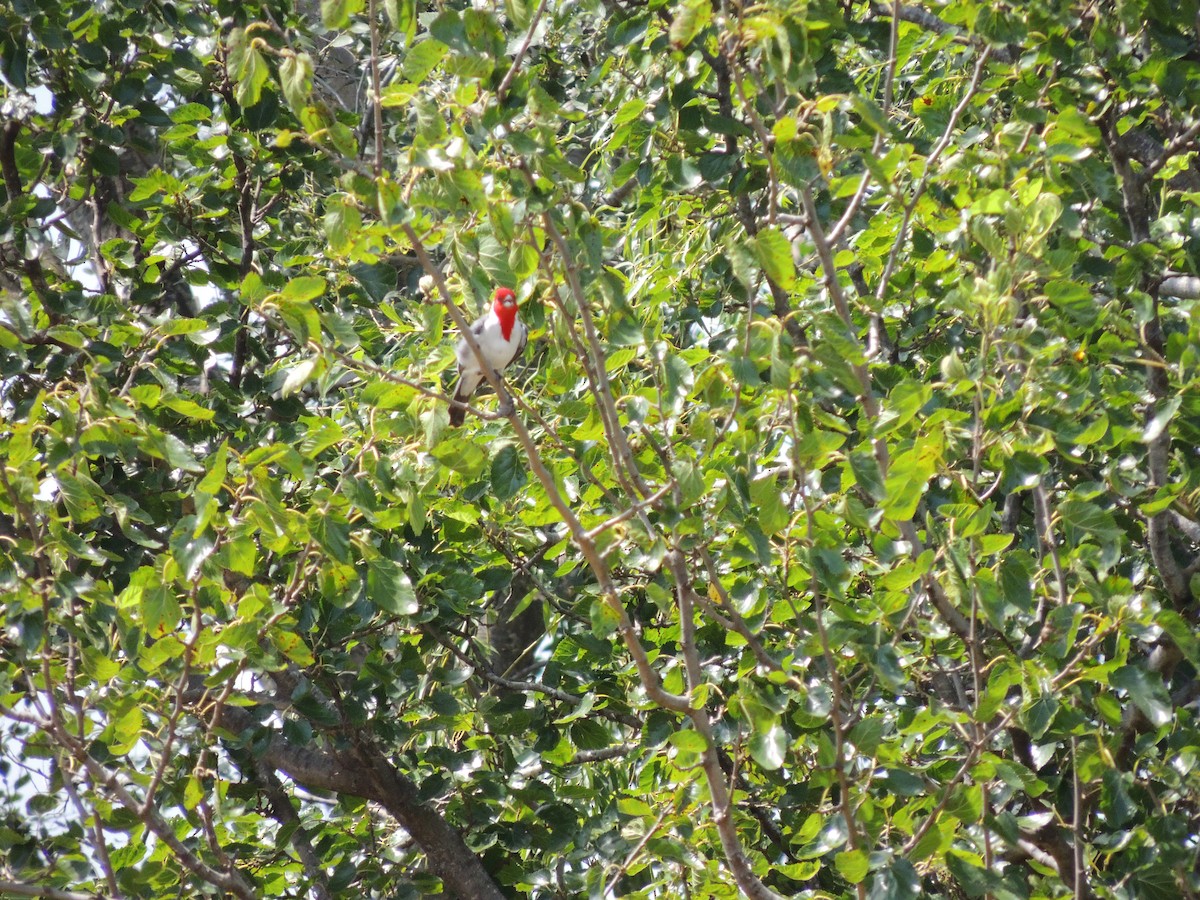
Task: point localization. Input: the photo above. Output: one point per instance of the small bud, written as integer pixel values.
(952, 367)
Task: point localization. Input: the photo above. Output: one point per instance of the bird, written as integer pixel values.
(501, 336)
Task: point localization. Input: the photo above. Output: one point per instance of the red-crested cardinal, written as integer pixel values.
(501, 336)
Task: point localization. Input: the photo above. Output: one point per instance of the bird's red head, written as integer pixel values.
(504, 304)
(504, 299)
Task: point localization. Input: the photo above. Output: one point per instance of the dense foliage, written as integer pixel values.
(842, 540)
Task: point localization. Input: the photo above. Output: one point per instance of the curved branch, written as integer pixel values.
(931, 22)
(364, 772)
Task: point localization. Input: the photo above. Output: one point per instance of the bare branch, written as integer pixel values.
(364, 772)
(20, 889)
(930, 22)
(376, 97)
(1184, 287)
(722, 807)
(231, 881)
(618, 441)
(953, 618)
(1180, 143)
(282, 811)
(930, 163)
(506, 83)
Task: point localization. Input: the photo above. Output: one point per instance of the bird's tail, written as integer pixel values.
(462, 392)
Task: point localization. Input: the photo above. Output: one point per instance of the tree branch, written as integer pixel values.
(20, 889)
(364, 772)
(281, 810)
(518, 58)
(12, 185)
(930, 22)
(722, 804)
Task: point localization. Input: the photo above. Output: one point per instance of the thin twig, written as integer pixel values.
(633, 510)
(506, 83)
(390, 376)
(20, 889)
(1177, 145)
(635, 852)
(953, 618)
(618, 440)
(930, 162)
(1077, 823)
(376, 99)
(12, 184)
(280, 807)
(836, 723)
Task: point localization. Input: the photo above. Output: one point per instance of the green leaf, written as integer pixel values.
(299, 375)
(1163, 414)
(295, 79)
(1041, 216)
(422, 59)
(630, 110)
(1016, 576)
(904, 403)
(1088, 517)
(774, 253)
(332, 533)
(1182, 634)
(678, 379)
(624, 331)
(494, 258)
(769, 747)
(767, 497)
(389, 587)
(304, 288)
(343, 222)
(240, 555)
(190, 551)
(689, 740)
(302, 320)
(969, 871)
(691, 17)
(872, 115)
(867, 735)
(902, 783)
(461, 455)
(81, 495)
(603, 617)
(335, 14)
(866, 473)
(188, 408)
(171, 449)
(508, 472)
(852, 865)
(1039, 714)
(253, 76)
(899, 880)
(160, 610)
(125, 730)
(908, 477)
(1147, 692)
